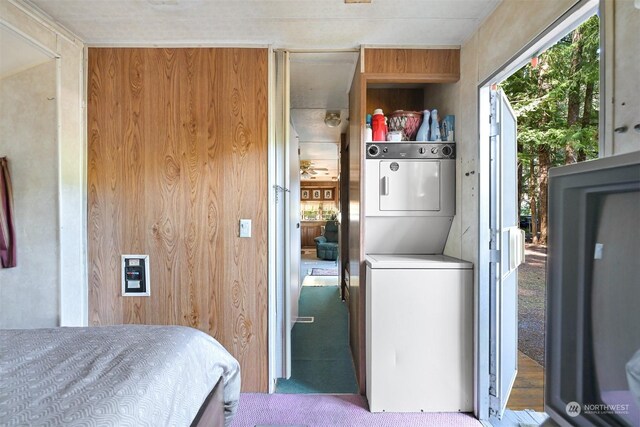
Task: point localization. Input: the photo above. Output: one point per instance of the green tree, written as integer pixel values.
(556, 103)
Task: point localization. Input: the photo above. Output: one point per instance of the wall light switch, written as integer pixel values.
(245, 228)
(597, 254)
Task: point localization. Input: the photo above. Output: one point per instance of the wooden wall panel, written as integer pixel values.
(318, 184)
(177, 155)
(439, 63)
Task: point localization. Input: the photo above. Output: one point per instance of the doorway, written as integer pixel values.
(543, 114)
(551, 134)
(316, 104)
(319, 210)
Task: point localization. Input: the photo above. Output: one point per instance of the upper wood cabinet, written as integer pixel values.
(412, 65)
(407, 79)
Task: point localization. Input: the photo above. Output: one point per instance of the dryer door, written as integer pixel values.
(410, 185)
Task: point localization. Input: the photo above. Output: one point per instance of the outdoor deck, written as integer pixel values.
(528, 390)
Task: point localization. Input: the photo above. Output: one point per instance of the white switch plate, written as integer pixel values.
(245, 228)
(597, 254)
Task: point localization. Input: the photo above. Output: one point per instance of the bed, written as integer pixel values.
(129, 375)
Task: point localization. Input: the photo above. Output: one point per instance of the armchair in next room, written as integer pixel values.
(327, 244)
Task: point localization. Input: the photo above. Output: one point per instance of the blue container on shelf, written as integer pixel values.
(447, 130)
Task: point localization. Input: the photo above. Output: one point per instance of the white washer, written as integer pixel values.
(419, 311)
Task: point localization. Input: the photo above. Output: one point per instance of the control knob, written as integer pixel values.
(447, 150)
(373, 150)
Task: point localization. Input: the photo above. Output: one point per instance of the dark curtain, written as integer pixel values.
(7, 230)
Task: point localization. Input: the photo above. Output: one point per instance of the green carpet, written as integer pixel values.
(320, 355)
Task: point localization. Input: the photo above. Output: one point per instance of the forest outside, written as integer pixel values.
(556, 101)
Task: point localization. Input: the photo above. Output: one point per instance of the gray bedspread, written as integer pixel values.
(129, 375)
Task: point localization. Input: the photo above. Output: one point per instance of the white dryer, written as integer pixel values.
(410, 196)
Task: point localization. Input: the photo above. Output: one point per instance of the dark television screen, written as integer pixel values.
(593, 295)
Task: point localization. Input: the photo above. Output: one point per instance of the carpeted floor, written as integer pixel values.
(320, 354)
(320, 281)
(309, 261)
(257, 409)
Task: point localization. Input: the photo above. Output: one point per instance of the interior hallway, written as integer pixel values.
(321, 360)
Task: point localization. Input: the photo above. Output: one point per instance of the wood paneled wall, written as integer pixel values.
(318, 184)
(177, 154)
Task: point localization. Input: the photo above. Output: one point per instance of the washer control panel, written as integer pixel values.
(413, 150)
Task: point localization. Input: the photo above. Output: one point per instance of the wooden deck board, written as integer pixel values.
(528, 390)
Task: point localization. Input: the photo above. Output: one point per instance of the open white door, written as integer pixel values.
(507, 253)
(287, 221)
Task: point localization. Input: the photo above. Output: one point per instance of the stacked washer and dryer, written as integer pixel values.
(419, 302)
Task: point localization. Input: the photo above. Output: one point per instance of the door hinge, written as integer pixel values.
(495, 129)
(494, 407)
(494, 254)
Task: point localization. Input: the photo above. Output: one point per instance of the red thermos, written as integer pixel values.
(379, 126)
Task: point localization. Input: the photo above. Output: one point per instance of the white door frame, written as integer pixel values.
(271, 224)
(564, 24)
(505, 260)
(279, 336)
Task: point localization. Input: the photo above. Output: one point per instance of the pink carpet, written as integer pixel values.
(312, 410)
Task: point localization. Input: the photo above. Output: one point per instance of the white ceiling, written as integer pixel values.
(312, 73)
(319, 81)
(308, 24)
(17, 54)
